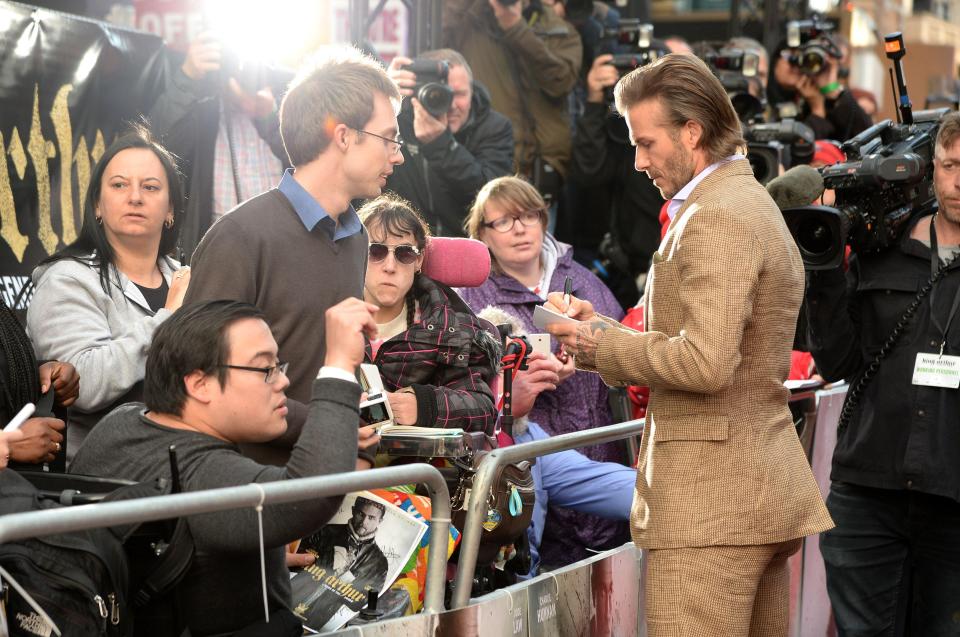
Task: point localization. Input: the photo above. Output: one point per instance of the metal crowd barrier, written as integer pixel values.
(477, 506)
(19, 526)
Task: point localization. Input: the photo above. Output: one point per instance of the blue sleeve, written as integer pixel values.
(602, 488)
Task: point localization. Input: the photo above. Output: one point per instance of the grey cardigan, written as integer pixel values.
(105, 336)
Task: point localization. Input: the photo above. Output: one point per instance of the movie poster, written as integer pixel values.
(364, 547)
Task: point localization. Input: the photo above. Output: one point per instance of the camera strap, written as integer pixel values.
(934, 266)
(855, 394)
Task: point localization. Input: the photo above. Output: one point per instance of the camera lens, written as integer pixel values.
(814, 238)
(436, 98)
(813, 61)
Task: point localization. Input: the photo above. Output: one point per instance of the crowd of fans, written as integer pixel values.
(246, 359)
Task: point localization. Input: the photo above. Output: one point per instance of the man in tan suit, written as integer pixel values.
(724, 492)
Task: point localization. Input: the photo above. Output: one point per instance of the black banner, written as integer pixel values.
(68, 86)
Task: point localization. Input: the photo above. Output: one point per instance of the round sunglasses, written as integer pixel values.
(403, 253)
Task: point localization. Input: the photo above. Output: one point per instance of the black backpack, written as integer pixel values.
(90, 583)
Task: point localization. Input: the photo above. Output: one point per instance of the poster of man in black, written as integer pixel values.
(349, 564)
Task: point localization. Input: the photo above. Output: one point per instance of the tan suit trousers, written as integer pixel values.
(727, 591)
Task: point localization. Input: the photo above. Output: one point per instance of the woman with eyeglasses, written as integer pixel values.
(98, 301)
(510, 217)
(436, 358)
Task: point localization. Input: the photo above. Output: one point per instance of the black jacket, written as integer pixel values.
(186, 119)
(603, 169)
(442, 178)
(900, 435)
(845, 118)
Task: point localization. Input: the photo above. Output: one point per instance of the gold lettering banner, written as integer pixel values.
(64, 97)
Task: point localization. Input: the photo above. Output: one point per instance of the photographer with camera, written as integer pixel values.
(805, 84)
(603, 164)
(896, 476)
(529, 59)
(455, 141)
(221, 120)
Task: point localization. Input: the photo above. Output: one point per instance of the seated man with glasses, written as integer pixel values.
(300, 248)
(435, 357)
(213, 381)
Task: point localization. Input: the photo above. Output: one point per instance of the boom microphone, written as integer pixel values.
(799, 186)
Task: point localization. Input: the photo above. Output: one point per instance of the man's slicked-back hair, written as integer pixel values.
(949, 131)
(687, 91)
(336, 87)
(194, 338)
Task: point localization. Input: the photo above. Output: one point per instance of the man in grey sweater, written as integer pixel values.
(213, 380)
(300, 248)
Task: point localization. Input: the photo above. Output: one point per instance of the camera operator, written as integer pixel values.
(820, 101)
(529, 59)
(226, 132)
(450, 157)
(896, 476)
(603, 164)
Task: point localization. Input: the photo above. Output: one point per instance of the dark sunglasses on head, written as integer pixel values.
(405, 254)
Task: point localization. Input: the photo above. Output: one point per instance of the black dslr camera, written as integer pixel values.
(811, 45)
(788, 143)
(632, 45)
(886, 181)
(431, 88)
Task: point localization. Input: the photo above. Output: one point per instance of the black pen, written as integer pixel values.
(567, 291)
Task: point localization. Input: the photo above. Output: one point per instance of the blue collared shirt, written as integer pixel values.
(677, 202)
(311, 213)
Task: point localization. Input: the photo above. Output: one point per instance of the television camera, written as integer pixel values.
(886, 180)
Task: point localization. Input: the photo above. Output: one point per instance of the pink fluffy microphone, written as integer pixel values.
(457, 262)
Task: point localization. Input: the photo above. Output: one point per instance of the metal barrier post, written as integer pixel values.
(31, 524)
(483, 480)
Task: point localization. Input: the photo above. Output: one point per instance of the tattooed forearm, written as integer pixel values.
(589, 334)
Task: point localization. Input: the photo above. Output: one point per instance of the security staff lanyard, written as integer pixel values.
(937, 370)
(934, 266)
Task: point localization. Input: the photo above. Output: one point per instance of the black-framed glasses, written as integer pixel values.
(403, 253)
(506, 222)
(270, 374)
(397, 142)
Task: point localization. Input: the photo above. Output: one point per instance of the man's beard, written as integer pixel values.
(950, 214)
(677, 172)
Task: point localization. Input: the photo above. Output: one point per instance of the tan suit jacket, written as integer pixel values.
(720, 462)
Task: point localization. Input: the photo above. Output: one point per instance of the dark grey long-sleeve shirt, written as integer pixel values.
(221, 593)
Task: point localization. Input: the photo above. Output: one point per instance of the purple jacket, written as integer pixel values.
(579, 403)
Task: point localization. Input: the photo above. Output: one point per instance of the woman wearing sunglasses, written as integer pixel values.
(436, 358)
(510, 217)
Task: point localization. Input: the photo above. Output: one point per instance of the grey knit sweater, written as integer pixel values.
(221, 593)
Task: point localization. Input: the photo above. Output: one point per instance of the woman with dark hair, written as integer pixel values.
(98, 301)
(436, 358)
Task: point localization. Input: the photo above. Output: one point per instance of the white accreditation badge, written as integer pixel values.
(936, 370)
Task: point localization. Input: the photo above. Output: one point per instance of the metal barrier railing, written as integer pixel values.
(483, 480)
(18, 526)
